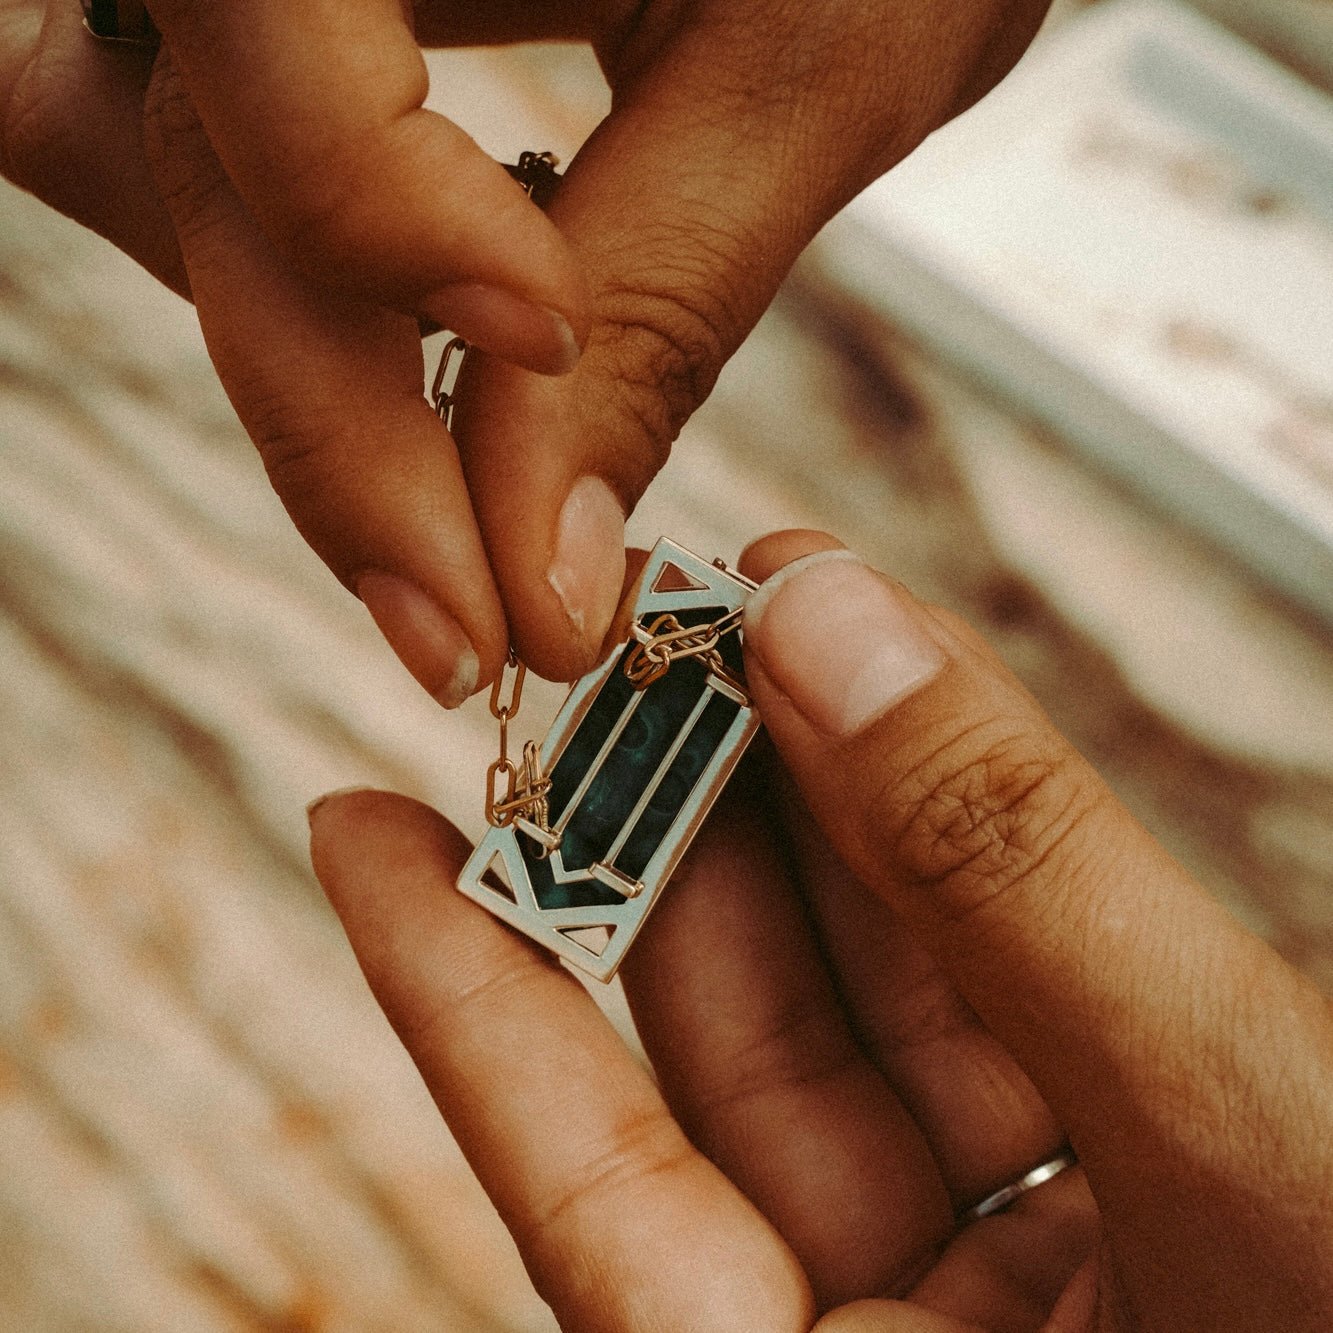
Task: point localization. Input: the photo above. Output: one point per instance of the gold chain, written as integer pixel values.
(512, 790)
(522, 790)
(537, 176)
(525, 786)
(442, 391)
(670, 641)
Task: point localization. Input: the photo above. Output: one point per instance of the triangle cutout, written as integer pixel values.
(496, 878)
(672, 578)
(592, 938)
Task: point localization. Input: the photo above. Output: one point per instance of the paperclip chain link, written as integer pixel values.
(515, 789)
(670, 641)
(442, 391)
(512, 789)
(536, 174)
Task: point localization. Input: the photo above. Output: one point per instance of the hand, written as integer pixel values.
(916, 948)
(275, 162)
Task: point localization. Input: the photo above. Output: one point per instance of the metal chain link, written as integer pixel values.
(670, 641)
(537, 176)
(516, 790)
(512, 789)
(442, 391)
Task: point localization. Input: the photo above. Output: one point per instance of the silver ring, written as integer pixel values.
(124, 21)
(1002, 1198)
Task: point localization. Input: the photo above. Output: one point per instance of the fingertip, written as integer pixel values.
(508, 325)
(764, 556)
(429, 639)
(333, 818)
(588, 565)
(548, 648)
(347, 812)
(363, 837)
(333, 804)
(842, 643)
(757, 606)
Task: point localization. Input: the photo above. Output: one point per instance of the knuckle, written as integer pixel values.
(299, 435)
(929, 1012)
(481, 989)
(983, 816)
(796, 1051)
(169, 114)
(187, 174)
(329, 214)
(645, 1145)
(289, 433)
(658, 355)
(487, 989)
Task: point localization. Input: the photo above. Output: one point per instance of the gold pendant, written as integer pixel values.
(587, 829)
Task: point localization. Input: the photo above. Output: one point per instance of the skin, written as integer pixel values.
(871, 999)
(899, 967)
(274, 162)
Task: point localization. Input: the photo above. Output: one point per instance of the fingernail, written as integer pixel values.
(838, 641)
(588, 570)
(531, 335)
(429, 642)
(314, 807)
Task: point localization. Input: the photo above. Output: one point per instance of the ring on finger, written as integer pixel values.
(1002, 1198)
(125, 21)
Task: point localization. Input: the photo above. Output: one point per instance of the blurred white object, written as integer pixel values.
(1133, 238)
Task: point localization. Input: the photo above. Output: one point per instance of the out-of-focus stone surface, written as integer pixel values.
(204, 1121)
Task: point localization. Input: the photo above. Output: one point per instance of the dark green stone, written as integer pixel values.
(628, 769)
(549, 894)
(631, 763)
(582, 747)
(677, 783)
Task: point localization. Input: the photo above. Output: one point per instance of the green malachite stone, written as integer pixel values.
(676, 785)
(628, 769)
(549, 894)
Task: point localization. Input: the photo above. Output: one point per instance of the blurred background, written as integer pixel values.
(1078, 435)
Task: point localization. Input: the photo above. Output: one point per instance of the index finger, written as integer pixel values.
(315, 109)
(622, 1223)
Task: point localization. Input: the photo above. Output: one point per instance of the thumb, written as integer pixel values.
(1189, 1065)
